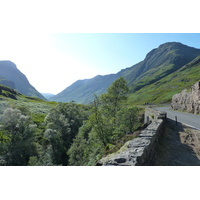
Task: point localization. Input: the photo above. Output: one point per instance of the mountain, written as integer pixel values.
(82, 91)
(48, 95)
(162, 90)
(158, 64)
(10, 76)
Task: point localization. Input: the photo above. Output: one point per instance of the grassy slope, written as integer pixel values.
(38, 107)
(83, 91)
(162, 90)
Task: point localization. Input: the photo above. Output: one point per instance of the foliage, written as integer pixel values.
(63, 123)
(78, 152)
(111, 119)
(18, 129)
(38, 133)
(104, 118)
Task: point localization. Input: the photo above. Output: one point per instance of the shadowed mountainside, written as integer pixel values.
(10, 76)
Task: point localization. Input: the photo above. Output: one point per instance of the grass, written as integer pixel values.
(37, 107)
(162, 90)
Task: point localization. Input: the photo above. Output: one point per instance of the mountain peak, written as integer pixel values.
(175, 45)
(14, 78)
(171, 44)
(8, 63)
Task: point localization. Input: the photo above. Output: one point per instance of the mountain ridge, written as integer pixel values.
(158, 63)
(47, 95)
(12, 77)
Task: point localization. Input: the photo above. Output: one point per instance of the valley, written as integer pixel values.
(92, 117)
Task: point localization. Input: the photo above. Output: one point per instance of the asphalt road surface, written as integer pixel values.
(184, 118)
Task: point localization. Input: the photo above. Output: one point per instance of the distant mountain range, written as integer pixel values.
(11, 77)
(48, 95)
(165, 71)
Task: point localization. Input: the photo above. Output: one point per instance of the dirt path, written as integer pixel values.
(179, 146)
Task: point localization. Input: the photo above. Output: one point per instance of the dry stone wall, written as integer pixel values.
(141, 150)
(188, 101)
(152, 115)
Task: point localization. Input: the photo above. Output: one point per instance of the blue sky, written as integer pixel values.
(111, 52)
(52, 62)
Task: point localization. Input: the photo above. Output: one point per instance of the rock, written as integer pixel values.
(120, 160)
(139, 151)
(188, 101)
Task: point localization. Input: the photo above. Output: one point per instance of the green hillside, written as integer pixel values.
(11, 98)
(158, 64)
(82, 91)
(162, 91)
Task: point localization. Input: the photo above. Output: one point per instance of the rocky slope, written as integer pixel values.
(188, 100)
(10, 76)
(158, 64)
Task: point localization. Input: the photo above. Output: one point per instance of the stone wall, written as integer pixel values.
(141, 150)
(152, 115)
(188, 101)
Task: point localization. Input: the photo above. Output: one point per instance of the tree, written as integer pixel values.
(127, 120)
(109, 121)
(86, 148)
(77, 151)
(98, 122)
(20, 130)
(104, 111)
(115, 96)
(63, 122)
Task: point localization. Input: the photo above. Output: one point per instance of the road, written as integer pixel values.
(184, 118)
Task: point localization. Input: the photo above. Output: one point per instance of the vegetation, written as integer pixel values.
(39, 133)
(162, 91)
(110, 120)
(17, 138)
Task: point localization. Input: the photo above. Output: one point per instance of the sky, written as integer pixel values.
(53, 61)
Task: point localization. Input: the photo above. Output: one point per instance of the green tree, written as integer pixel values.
(77, 152)
(98, 121)
(115, 96)
(86, 148)
(63, 124)
(111, 118)
(110, 104)
(127, 120)
(20, 130)
(44, 159)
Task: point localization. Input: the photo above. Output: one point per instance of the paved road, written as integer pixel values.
(184, 118)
